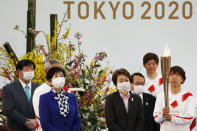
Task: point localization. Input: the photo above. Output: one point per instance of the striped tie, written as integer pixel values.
(27, 93)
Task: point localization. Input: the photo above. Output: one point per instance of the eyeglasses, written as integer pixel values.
(139, 83)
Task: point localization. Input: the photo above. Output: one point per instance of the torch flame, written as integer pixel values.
(166, 51)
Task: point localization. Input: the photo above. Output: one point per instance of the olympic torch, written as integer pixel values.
(165, 70)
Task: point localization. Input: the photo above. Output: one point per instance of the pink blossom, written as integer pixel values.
(89, 99)
(104, 79)
(97, 84)
(72, 75)
(100, 56)
(72, 68)
(99, 104)
(79, 43)
(69, 86)
(7, 75)
(76, 61)
(79, 71)
(86, 95)
(91, 91)
(107, 89)
(78, 35)
(43, 50)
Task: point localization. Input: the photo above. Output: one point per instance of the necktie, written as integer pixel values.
(27, 93)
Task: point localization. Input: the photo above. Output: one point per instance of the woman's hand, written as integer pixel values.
(166, 114)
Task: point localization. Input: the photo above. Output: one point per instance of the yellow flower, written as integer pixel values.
(111, 90)
(101, 92)
(92, 63)
(65, 35)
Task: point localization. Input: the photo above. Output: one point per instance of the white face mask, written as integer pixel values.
(28, 76)
(58, 82)
(123, 87)
(138, 89)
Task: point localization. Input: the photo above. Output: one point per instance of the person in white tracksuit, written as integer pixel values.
(194, 123)
(180, 113)
(154, 81)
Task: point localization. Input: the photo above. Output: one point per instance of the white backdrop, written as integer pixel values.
(125, 41)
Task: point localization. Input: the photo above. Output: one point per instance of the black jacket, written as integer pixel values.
(148, 106)
(117, 117)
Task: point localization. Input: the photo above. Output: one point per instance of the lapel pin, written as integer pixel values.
(132, 99)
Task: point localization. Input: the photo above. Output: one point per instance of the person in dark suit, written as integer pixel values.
(58, 109)
(123, 109)
(137, 87)
(17, 103)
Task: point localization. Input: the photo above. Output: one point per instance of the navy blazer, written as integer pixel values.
(50, 117)
(16, 106)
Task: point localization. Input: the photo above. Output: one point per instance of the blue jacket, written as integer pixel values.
(50, 118)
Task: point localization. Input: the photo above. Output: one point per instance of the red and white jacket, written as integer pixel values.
(154, 87)
(181, 108)
(193, 126)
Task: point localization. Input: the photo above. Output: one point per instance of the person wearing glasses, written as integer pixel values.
(148, 101)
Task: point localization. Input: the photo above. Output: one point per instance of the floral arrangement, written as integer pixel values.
(94, 77)
(7, 66)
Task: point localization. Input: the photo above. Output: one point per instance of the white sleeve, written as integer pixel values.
(35, 102)
(187, 116)
(195, 108)
(158, 114)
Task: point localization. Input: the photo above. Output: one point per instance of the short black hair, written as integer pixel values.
(179, 70)
(118, 72)
(150, 56)
(54, 70)
(136, 74)
(23, 63)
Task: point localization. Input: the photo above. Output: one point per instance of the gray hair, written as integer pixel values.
(49, 62)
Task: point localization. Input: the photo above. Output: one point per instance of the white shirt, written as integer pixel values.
(141, 96)
(23, 85)
(195, 114)
(1, 121)
(125, 100)
(181, 110)
(154, 87)
(42, 89)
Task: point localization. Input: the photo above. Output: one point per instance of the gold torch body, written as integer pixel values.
(165, 70)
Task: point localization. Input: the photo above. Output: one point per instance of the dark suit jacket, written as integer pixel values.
(50, 117)
(148, 106)
(16, 106)
(117, 117)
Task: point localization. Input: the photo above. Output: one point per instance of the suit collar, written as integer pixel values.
(120, 101)
(122, 96)
(52, 95)
(23, 84)
(21, 91)
(130, 102)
